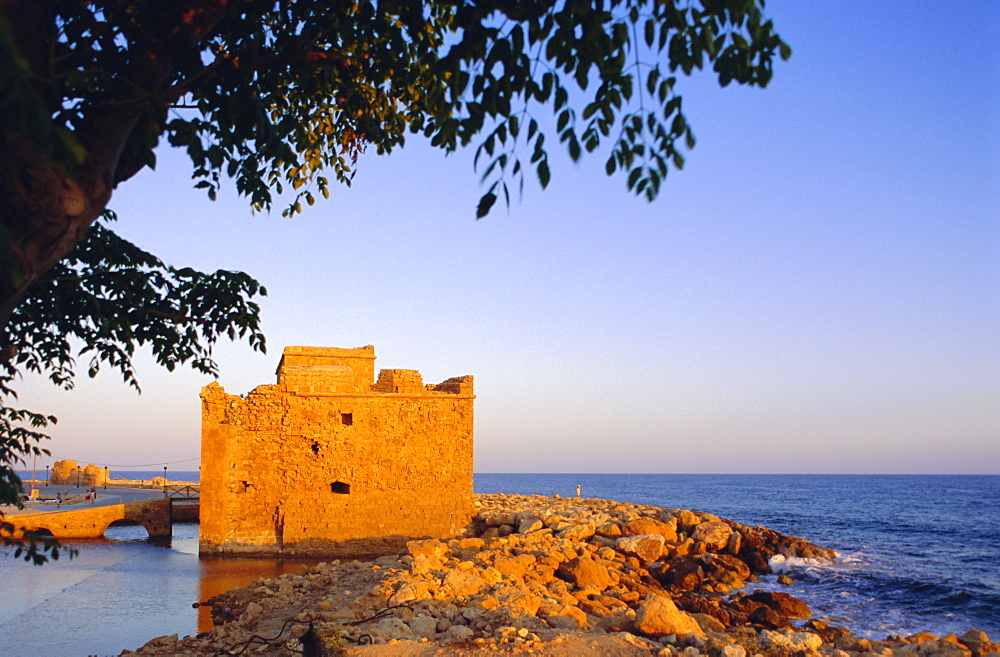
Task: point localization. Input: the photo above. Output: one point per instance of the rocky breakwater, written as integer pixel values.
(549, 576)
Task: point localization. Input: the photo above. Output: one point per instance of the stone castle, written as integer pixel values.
(67, 472)
(328, 463)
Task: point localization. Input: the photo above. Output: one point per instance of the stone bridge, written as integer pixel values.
(154, 515)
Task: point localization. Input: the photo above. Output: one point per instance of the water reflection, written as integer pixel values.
(120, 592)
(217, 575)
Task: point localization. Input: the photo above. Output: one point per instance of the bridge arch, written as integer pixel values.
(153, 515)
(124, 523)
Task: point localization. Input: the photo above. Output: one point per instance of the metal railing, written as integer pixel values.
(181, 492)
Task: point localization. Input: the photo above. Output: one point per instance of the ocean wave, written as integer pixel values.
(874, 596)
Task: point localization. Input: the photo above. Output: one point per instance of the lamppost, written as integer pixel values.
(46, 476)
(164, 480)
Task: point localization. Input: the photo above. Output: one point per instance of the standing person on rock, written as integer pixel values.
(578, 490)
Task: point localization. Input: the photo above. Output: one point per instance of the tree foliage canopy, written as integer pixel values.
(283, 96)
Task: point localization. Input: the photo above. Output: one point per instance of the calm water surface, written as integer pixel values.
(116, 594)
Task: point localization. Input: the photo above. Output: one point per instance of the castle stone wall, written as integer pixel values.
(326, 463)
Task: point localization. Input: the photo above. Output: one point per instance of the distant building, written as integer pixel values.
(328, 463)
(68, 473)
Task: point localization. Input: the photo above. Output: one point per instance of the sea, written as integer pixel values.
(916, 553)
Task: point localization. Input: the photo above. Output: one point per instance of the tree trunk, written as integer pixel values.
(44, 213)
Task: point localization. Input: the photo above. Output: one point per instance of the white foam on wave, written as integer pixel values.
(781, 564)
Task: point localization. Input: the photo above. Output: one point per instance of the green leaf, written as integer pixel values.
(485, 204)
(543, 173)
(633, 176)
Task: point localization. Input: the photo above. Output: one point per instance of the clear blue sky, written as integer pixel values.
(817, 291)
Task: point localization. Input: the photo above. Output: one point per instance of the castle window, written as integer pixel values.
(347, 419)
(315, 447)
(340, 488)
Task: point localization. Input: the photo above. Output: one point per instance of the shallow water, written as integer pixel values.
(116, 594)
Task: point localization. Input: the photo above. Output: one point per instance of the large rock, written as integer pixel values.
(685, 519)
(782, 604)
(569, 618)
(457, 634)
(518, 601)
(578, 531)
(529, 525)
(798, 547)
(647, 547)
(583, 572)
(682, 574)
(716, 564)
(389, 629)
(409, 592)
(644, 525)
(979, 642)
(514, 564)
(461, 583)
(423, 626)
(659, 616)
(715, 535)
(790, 641)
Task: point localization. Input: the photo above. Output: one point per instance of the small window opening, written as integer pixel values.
(246, 485)
(315, 447)
(347, 419)
(340, 488)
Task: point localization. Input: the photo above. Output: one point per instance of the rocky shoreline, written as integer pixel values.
(550, 576)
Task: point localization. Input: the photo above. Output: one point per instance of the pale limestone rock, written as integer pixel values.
(645, 525)
(609, 530)
(424, 563)
(583, 572)
(456, 634)
(461, 583)
(685, 518)
(517, 600)
(735, 543)
(571, 618)
(659, 616)
(714, 534)
(792, 641)
(578, 532)
(732, 650)
(390, 628)
(410, 591)
(423, 626)
(529, 525)
(647, 547)
(514, 565)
